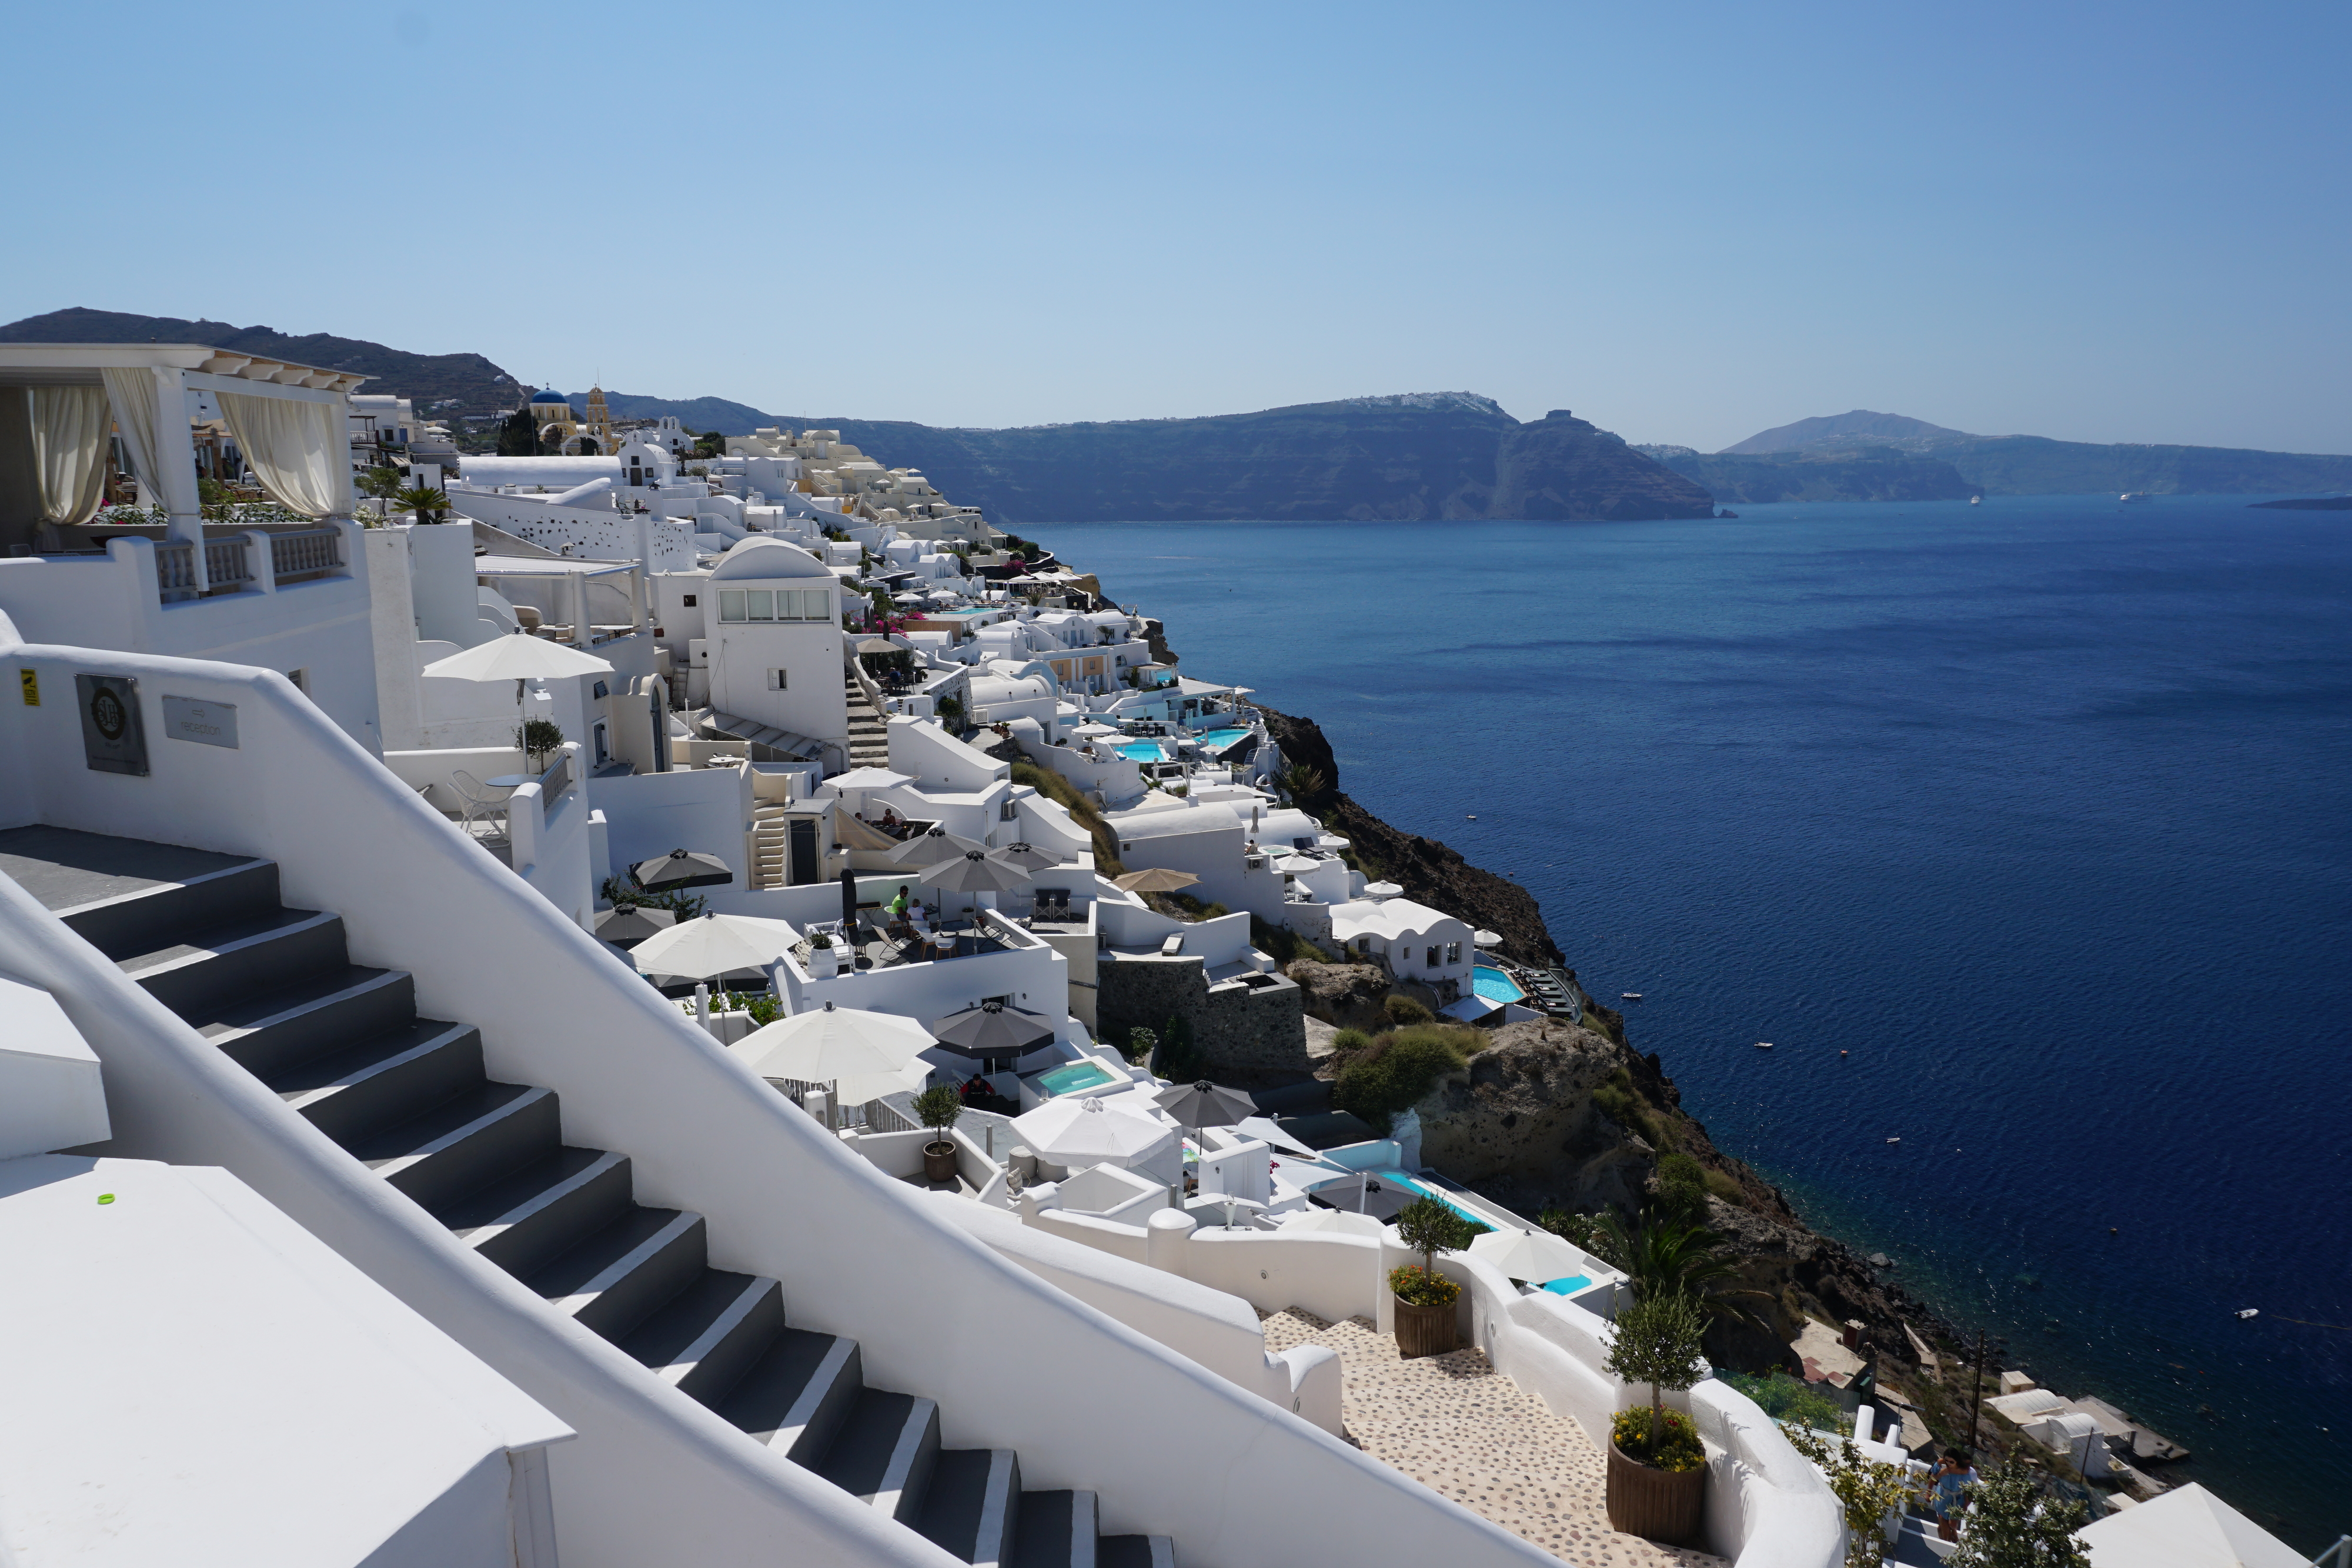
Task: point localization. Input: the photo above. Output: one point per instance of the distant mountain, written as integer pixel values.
(1861, 456)
(445, 385)
(1842, 430)
(701, 414)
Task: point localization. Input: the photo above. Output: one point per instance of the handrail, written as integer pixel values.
(305, 553)
(227, 565)
(552, 784)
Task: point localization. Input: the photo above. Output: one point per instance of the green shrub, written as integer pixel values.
(1178, 1060)
(1140, 1043)
(1054, 786)
(1402, 1010)
(1348, 1040)
(1679, 1448)
(1682, 1185)
(1418, 1287)
(1285, 946)
(1789, 1400)
(939, 1108)
(1623, 1104)
(1399, 1067)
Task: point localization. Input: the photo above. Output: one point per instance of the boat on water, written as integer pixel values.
(2135, 497)
(1763, 1045)
(1975, 500)
(1629, 996)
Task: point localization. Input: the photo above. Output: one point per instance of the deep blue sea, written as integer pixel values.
(2041, 810)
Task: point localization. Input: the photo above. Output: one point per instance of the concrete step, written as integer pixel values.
(151, 917)
(885, 1450)
(209, 971)
(530, 1219)
(1058, 1531)
(614, 1279)
(974, 1504)
(272, 1033)
(709, 1334)
(384, 1080)
(794, 1397)
(464, 1143)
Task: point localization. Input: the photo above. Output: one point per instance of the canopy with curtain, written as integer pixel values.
(296, 447)
(70, 430)
(138, 404)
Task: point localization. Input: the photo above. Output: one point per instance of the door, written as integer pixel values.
(804, 852)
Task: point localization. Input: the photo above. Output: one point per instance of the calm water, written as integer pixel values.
(2042, 810)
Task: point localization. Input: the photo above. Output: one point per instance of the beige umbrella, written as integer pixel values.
(1534, 1256)
(520, 658)
(1157, 879)
(864, 1055)
(714, 945)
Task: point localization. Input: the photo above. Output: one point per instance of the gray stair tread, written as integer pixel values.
(334, 1067)
(1123, 1551)
(765, 1395)
(1043, 1539)
(316, 987)
(678, 1323)
(407, 1137)
(216, 934)
(599, 1251)
(503, 1196)
(953, 1501)
(64, 868)
(860, 1452)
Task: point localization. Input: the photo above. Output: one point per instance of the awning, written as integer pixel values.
(1470, 1010)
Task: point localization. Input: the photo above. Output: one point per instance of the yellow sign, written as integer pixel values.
(32, 683)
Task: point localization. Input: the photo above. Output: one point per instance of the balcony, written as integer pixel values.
(297, 555)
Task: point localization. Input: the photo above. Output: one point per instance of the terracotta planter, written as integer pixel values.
(939, 1160)
(1664, 1506)
(1426, 1330)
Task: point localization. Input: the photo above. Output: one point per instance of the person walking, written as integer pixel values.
(1948, 1492)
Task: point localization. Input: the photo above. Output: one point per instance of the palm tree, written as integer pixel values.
(1665, 1255)
(427, 502)
(1303, 783)
(380, 482)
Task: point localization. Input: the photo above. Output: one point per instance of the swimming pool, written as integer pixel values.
(1142, 751)
(1216, 739)
(1495, 986)
(1072, 1075)
(1569, 1286)
(1399, 1179)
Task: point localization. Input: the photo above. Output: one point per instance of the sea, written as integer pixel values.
(2022, 832)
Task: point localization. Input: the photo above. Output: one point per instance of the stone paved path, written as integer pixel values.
(1465, 1431)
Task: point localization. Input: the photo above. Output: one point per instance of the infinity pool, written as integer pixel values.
(1569, 1286)
(1142, 751)
(1399, 1179)
(1072, 1075)
(1216, 739)
(1495, 986)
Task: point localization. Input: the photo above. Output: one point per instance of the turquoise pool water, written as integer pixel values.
(1493, 984)
(1142, 751)
(1569, 1286)
(1221, 738)
(1399, 1179)
(1072, 1075)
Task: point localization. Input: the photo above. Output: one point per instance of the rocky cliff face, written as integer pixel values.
(1561, 466)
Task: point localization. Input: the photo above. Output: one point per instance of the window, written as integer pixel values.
(774, 604)
(777, 681)
(1454, 952)
(730, 605)
(759, 604)
(1433, 953)
(602, 690)
(689, 602)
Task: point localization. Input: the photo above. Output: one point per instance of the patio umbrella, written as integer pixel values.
(1027, 856)
(633, 922)
(1158, 879)
(864, 1055)
(878, 645)
(1488, 939)
(1381, 890)
(1266, 1130)
(1534, 1256)
(520, 658)
(1205, 1105)
(1091, 730)
(1334, 1222)
(1087, 1132)
(1233, 1203)
(870, 778)
(992, 1030)
(932, 848)
(713, 945)
(681, 869)
(975, 870)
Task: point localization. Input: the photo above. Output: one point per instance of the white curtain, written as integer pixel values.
(135, 399)
(68, 449)
(297, 448)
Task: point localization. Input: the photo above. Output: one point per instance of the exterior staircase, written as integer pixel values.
(771, 847)
(341, 1045)
(869, 736)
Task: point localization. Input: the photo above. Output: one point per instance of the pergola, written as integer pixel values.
(291, 423)
(571, 574)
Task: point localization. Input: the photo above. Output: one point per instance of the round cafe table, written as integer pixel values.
(511, 780)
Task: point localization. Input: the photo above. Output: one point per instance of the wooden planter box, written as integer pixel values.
(1426, 1330)
(1664, 1506)
(939, 1160)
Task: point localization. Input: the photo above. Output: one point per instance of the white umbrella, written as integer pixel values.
(830, 1042)
(1091, 730)
(1266, 1130)
(2185, 1528)
(1534, 1256)
(714, 945)
(1334, 1222)
(868, 778)
(1488, 939)
(1086, 1132)
(520, 658)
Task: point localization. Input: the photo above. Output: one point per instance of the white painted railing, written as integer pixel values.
(305, 553)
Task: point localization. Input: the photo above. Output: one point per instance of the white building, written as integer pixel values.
(775, 647)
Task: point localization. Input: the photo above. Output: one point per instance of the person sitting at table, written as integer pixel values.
(890, 818)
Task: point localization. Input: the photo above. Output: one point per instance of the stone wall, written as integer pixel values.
(1245, 1034)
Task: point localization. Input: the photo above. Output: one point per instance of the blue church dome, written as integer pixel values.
(549, 395)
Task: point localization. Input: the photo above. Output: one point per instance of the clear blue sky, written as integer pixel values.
(1687, 223)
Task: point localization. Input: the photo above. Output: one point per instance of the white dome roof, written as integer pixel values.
(759, 557)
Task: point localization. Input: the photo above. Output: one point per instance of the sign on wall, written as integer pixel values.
(200, 720)
(113, 740)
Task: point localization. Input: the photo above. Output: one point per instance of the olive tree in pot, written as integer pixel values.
(1658, 1466)
(937, 1110)
(1425, 1322)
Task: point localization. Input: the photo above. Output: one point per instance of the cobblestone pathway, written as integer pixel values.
(1465, 1431)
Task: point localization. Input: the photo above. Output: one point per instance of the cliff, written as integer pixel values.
(1870, 474)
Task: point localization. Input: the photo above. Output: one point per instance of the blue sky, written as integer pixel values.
(1685, 222)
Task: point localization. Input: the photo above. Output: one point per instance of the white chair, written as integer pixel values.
(482, 804)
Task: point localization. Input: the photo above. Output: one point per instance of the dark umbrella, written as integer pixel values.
(992, 1030)
(681, 869)
(975, 870)
(932, 848)
(1205, 1105)
(632, 923)
(1028, 857)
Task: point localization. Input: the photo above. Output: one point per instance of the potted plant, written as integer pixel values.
(1425, 1322)
(1658, 1466)
(824, 961)
(937, 1110)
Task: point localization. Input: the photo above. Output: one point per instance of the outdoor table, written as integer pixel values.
(511, 780)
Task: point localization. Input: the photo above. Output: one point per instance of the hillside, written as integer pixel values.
(1841, 430)
(1869, 474)
(448, 385)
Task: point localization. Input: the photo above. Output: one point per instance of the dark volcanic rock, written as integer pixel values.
(1520, 1118)
(1346, 995)
(1560, 466)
